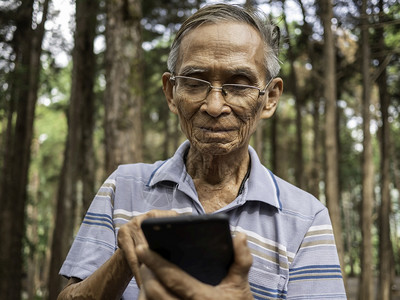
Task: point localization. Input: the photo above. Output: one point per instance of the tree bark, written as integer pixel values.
(13, 195)
(316, 164)
(331, 143)
(274, 145)
(124, 93)
(294, 89)
(259, 141)
(366, 290)
(81, 104)
(386, 255)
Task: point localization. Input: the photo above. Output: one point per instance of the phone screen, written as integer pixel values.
(200, 245)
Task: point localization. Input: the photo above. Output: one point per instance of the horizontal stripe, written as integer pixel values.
(263, 296)
(262, 288)
(320, 232)
(95, 241)
(93, 223)
(270, 258)
(104, 194)
(122, 216)
(127, 215)
(315, 272)
(107, 190)
(322, 277)
(260, 292)
(100, 216)
(99, 220)
(314, 267)
(267, 246)
(317, 243)
(320, 227)
(264, 242)
(109, 183)
(320, 296)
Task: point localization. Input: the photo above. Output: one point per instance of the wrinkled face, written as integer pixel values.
(225, 53)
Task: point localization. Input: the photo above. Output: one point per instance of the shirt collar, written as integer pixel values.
(261, 184)
(171, 169)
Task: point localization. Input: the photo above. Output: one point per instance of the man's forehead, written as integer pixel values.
(236, 42)
(222, 30)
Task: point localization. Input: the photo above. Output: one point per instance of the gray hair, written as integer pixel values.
(218, 13)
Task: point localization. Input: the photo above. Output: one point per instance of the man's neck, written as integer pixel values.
(218, 169)
(217, 178)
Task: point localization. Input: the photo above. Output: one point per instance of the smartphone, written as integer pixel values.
(200, 245)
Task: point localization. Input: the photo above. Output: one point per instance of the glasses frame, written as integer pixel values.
(261, 92)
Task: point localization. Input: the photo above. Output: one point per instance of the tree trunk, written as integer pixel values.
(385, 245)
(259, 141)
(386, 256)
(81, 104)
(32, 213)
(274, 145)
(366, 283)
(331, 143)
(13, 195)
(316, 165)
(293, 88)
(124, 93)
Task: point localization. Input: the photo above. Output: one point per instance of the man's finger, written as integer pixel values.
(127, 245)
(243, 260)
(169, 275)
(152, 288)
(130, 235)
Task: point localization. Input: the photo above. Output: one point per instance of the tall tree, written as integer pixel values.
(27, 47)
(331, 143)
(81, 104)
(366, 284)
(123, 95)
(293, 87)
(386, 257)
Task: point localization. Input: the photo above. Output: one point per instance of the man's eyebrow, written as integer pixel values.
(246, 72)
(234, 71)
(189, 70)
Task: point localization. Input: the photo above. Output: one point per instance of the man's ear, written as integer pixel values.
(274, 92)
(168, 89)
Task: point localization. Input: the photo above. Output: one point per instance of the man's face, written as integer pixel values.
(226, 53)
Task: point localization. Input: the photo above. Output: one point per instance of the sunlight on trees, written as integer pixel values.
(292, 144)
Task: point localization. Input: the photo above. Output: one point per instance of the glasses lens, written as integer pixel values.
(195, 89)
(192, 88)
(235, 93)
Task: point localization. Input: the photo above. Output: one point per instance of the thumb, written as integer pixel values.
(243, 260)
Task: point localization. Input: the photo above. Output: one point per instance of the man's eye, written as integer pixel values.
(236, 89)
(194, 84)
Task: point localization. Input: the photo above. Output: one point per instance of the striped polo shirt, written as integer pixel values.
(288, 230)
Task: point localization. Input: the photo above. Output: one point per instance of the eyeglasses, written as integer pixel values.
(195, 89)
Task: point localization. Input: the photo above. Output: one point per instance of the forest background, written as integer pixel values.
(74, 104)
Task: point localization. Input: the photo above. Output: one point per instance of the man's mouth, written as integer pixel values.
(216, 130)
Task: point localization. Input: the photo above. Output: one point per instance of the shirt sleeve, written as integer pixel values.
(95, 242)
(315, 272)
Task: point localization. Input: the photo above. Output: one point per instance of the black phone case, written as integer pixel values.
(200, 245)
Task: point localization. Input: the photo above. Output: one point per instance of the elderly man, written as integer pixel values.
(222, 81)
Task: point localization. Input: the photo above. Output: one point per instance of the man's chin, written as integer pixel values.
(214, 147)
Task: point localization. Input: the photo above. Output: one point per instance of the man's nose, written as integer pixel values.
(215, 103)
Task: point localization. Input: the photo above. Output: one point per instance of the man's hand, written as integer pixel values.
(130, 236)
(164, 280)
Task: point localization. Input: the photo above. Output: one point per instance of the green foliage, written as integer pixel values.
(160, 21)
